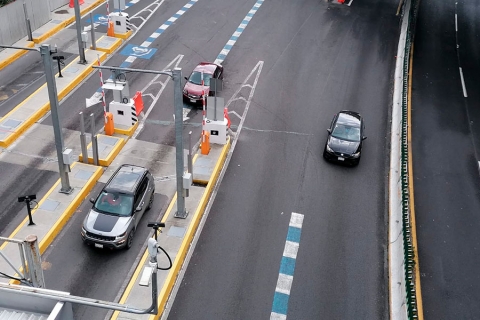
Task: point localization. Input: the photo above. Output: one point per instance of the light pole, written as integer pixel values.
(176, 75)
(46, 53)
(78, 22)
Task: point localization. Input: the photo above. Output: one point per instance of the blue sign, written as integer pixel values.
(138, 51)
(99, 19)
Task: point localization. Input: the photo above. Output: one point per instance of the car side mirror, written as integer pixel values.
(139, 208)
(363, 138)
(92, 200)
(329, 131)
(186, 78)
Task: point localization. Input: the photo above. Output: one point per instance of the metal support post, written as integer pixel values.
(178, 103)
(29, 211)
(81, 49)
(94, 141)
(27, 22)
(215, 103)
(57, 130)
(83, 139)
(189, 159)
(34, 262)
(92, 30)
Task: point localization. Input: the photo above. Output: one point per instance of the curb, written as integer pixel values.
(44, 109)
(180, 257)
(66, 22)
(67, 214)
(16, 55)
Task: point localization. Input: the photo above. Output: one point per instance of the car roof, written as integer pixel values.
(125, 179)
(206, 67)
(350, 118)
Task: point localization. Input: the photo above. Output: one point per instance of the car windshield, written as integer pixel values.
(196, 78)
(345, 132)
(118, 204)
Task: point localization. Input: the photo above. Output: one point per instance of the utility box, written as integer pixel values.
(123, 113)
(120, 22)
(68, 156)
(187, 180)
(217, 130)
(121, 91)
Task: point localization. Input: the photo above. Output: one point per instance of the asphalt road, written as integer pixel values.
(446, 135)
(91, 272)
(319, 60)
(17, 82)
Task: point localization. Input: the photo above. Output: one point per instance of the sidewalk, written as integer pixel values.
(55, 209)
(57, 23)
(176, 237)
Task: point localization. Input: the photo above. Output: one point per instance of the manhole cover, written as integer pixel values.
(108, 140)
(176, 231)
(61, 11)
(49, 205)
(83, 174)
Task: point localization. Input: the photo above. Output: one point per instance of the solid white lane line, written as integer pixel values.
(463, 83)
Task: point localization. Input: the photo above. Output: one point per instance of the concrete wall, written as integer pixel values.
(55, 4)
(13, 19)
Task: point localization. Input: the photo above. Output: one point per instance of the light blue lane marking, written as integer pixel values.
(293, 234)
(287, 268)
(280, 303)
(223, 54)
(128, 61)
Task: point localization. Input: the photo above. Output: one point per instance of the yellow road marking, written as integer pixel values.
(418, 288)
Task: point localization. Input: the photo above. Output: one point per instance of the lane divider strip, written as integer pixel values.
(226, 49)
(287, 268)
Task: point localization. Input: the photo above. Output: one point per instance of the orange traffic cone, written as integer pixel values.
(72, 3)
(110, 29)
(205, 146)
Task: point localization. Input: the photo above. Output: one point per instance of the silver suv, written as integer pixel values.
(114, 217)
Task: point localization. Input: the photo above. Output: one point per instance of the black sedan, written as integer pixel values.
(345, 136)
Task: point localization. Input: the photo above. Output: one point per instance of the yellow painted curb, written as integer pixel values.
(43, 109)
(413, 226)
(109, 50)
(26, 220)
(180, 257)
(110, 157)
(126, 132)
(66, 22)
(70, 210)
(15, 56)
(67, 214)
(80, 77)
(141, 263)
(124, 36)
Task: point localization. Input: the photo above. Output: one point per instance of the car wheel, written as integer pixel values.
(150, 203)
(130, 239)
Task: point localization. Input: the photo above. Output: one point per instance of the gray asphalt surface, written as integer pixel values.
(18, 81)
(445, 158)
(91, 272)
(319, 60)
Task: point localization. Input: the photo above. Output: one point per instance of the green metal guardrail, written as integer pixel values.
(408, 249)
